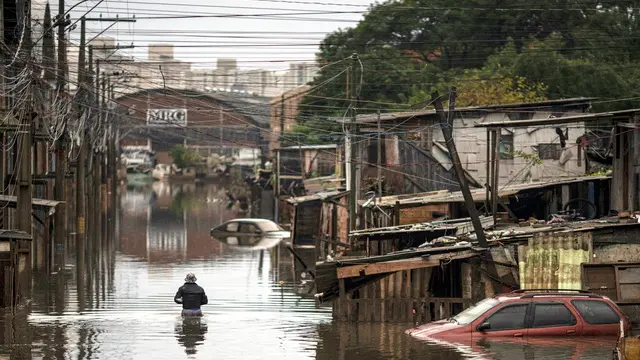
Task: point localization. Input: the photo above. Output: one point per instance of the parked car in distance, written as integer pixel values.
(252, 234)
(531, 313)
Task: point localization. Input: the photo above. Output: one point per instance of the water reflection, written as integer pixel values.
(388, 341)
(190, 333)
(260, 304)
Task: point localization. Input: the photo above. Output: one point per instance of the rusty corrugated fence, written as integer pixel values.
(552, 261)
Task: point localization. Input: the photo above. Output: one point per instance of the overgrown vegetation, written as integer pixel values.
(185, 157)
(494, 52)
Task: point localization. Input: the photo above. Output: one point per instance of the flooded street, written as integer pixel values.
(257, 309)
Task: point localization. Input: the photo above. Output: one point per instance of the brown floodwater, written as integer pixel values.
(258, 306)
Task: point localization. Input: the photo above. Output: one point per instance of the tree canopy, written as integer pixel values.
(493, 51)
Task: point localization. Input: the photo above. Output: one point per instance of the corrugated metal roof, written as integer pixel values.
(317, 196)
(559, 120)
(553, 261)
(493, 108)
(479, 195)
(14, 234)
(12, 201)
(459, 225)
(309, 147)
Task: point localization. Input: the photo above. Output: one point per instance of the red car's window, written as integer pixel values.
(596, 312)
(510, 317)
(545, 315)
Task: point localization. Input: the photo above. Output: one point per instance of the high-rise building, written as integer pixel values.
(160, 52)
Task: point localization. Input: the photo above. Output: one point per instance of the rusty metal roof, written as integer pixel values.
(459, 225)
(479, 195)
(540, 106)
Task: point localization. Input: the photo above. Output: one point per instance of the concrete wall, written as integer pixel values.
(471, 143)
(292, 101)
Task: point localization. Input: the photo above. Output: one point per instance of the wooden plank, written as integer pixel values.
(384, 285)
(397, 295)
(377, 307)
(342, 300)
(399, 265)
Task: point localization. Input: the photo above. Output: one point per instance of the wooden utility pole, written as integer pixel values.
(352, 130)
(446, 124)
(99, 161)
(281, 120)
(447, 130)
(24, 222)
(379, 157)
(60, 185)
(276, 188)
(81, 168)
(62, 48)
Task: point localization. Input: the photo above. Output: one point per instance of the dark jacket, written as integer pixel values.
(191, 296)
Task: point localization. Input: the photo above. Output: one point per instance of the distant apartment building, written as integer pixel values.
(163, 70)
(160, 52)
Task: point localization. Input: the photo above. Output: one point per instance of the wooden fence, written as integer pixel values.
(400, 297)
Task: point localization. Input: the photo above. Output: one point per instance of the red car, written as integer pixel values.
(525, 313)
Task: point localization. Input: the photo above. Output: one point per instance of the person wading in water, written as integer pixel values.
(191, 296)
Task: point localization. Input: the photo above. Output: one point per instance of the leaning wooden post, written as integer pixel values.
(447, 130)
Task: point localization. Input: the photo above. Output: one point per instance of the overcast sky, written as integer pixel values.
(257, 42)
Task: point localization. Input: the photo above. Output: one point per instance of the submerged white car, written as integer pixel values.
(252, 234)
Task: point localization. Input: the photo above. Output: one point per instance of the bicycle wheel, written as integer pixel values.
(584, 207)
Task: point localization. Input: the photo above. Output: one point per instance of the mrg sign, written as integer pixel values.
(167, 117)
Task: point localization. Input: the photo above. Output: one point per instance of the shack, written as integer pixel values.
(434, 282)
(416, 159)
(625, 185)
(541, 199)
(312, 166)
(319, 220)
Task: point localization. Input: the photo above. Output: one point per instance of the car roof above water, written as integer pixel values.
(547, 294)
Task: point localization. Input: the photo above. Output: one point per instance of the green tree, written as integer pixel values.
(184, 157)
(494, 51)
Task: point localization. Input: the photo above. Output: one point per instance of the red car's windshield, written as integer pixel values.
(472, 313)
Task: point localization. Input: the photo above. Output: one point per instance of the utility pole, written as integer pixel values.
(281, 119)
(446, 124)
(350, 149)
(447, 130)
(276, 188)
(97, 172)
(379, 157)
(27, 116)
(81, 168)
(60, 190)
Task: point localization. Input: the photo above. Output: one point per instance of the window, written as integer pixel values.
(232, 227)
(472, 313)
(508, 318)
(552, 315)
(596, 312)
(549, 151)
(506, 146)
(249, 228)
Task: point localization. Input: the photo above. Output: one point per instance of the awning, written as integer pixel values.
(11, 201)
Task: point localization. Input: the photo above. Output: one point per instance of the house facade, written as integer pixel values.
(415, 157)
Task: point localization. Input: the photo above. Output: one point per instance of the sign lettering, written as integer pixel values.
(167, 117)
